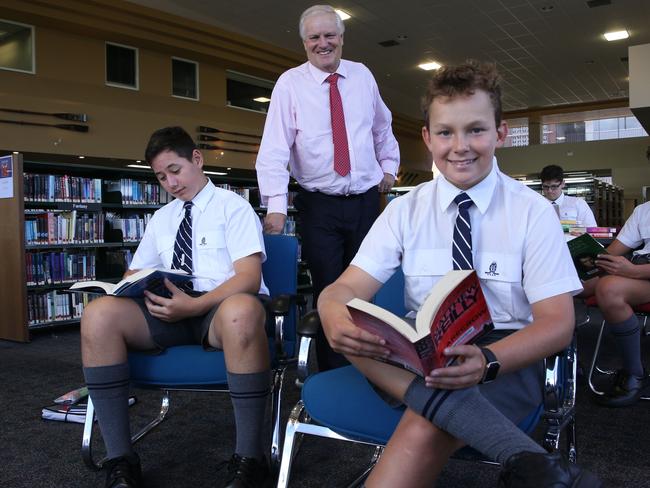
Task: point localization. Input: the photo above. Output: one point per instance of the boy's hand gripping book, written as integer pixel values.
(135, 284)
(584, 250)
(454, 313)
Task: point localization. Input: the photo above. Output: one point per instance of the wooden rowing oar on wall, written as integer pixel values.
(62, 115)
(211, 130)
(73, 127)
(217, 148)
(203, 137)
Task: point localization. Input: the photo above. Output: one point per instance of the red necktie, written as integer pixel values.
(339, 135)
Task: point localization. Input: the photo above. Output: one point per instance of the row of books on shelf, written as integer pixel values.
(59, 227)
(131, 226)
(62, 188)
(137, 192)
(575, 229)
(55, 306)
(48, 268)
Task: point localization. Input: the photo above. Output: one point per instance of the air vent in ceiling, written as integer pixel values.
(598, 3)
(389, 43)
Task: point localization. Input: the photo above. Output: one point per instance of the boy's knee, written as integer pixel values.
(99, 315)
(243, 315)
(608, 291)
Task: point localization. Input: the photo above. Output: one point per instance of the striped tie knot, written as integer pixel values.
(463, 201)
(188, 209)
(461, 252)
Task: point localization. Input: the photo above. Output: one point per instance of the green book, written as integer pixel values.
(584, 250)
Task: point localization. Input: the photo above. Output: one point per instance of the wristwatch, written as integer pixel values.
(492, 366)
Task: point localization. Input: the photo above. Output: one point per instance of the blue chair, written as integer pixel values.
(341, 404)
(191, 368)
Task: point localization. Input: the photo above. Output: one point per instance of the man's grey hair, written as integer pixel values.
(318, 10)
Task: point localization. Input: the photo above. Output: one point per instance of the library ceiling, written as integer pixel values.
(550, 52)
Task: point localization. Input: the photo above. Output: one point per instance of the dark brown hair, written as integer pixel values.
(464, 79)
(174, 139)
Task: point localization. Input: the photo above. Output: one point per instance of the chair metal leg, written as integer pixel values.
(86, 440)
(593, 361)
(288, 445)
(276, 399)
(572, 450)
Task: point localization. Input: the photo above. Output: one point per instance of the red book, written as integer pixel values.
(454, 313)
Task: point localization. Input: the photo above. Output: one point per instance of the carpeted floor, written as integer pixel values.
(186, 449)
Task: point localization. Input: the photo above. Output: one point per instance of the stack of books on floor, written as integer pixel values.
(71, 407)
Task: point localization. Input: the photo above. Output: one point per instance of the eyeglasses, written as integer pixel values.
(551, 187)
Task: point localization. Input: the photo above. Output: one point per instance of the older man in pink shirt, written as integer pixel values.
(328, 127)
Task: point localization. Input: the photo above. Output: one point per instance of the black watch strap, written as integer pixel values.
(492, 365)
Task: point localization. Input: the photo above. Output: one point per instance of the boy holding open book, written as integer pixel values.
(471, 217)
(216, 235)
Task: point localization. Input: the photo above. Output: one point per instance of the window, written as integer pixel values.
(121, 66)
(248, 92)
(16, 47)
(185, 79)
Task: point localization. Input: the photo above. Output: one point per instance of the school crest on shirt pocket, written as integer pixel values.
(500, 276)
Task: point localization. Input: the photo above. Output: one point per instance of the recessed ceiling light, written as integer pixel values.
(616, 35)
(138, 161)
(343, 14)
(82, 157)
(431, 65)
(262, 99)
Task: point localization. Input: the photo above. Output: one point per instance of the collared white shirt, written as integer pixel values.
(298, 132)
(636, 230)
(518, 249)
(575, 208)
(224, 229)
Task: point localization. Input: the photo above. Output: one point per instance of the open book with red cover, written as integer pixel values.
(454, 313)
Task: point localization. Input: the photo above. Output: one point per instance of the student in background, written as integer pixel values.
(216, 235)
(626, 284)
(567, 207)
(328, 127)
(526, 274)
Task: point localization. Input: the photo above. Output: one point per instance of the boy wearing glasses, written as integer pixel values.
(567, 207)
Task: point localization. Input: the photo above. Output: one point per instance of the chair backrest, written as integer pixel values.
(280, 271)
(391, 295)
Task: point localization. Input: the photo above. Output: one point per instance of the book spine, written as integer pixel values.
(591, 230)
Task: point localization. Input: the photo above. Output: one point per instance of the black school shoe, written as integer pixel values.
(247, 472)
(626, 390)
(540, 470)
(123, 472)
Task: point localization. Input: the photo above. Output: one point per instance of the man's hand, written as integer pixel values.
(347, 338)
(178, 307)
(274, 223)
(467, 370)
(386, 183)
(617, 265)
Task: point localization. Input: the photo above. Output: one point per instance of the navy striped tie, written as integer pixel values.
(461, 251)
(183, 246)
